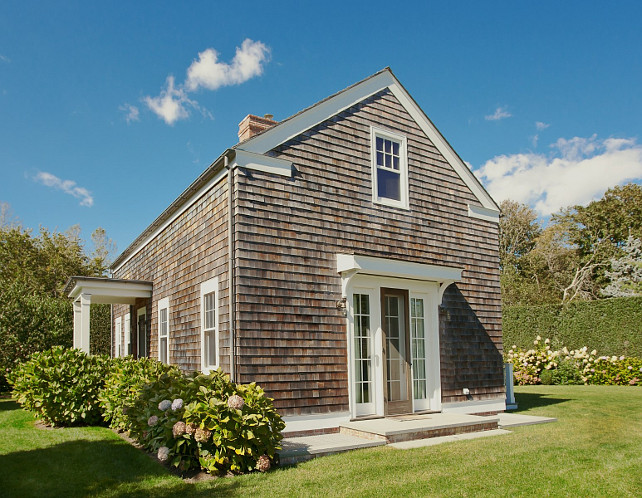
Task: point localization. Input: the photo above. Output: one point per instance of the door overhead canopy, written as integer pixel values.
(108, 290)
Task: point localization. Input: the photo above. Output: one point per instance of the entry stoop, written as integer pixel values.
(378, 432)
(411, 427)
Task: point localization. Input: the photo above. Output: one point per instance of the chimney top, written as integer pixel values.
(253, 125)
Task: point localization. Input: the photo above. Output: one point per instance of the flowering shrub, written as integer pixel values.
(61, 386)
(206, 421)
(123, 384)
(543, 364)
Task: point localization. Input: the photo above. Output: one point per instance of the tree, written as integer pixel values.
(626, 271)
(518, 230)
(34, 312)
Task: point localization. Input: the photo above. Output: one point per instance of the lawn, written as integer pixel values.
(594, 450)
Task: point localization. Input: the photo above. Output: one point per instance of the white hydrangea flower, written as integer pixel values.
(163, 453)
(177, 404)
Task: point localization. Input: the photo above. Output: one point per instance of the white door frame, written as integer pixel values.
(141, 312)
(371, 285)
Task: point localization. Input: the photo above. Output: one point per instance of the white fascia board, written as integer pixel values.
(483, 213)
(443, 147)
(472, 407)
(260, 162)
(107, 292)
(393, 268)
(189, 203)
(326, 109)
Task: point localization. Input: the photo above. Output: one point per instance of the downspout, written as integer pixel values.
(230, 269)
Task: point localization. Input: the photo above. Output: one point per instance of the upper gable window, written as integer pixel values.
(389, 168)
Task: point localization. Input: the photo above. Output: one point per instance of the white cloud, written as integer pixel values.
(535, 140)
(67, 186)
(541, 125)
(207, 72)
(500, 113)
(132, 112)
(577, 171)
(4, 58)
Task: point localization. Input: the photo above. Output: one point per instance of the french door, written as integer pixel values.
(396, 351)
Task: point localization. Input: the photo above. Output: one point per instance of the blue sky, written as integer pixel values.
(542, 99)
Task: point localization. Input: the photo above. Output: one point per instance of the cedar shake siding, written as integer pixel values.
(291, 338)
(191, 250)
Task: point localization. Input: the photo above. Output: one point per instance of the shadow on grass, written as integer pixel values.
(525, 401)
(7, 405)
(83, 468)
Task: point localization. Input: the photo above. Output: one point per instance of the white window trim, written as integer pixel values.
(208, 287)
(118, 325)
(127, 333)
(403, 168)
(163, 304)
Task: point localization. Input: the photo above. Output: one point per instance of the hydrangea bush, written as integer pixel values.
(206, 421)
(61, 386)
(543, 364)
(123, 384)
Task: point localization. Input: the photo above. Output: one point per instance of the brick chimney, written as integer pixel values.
(252, 125)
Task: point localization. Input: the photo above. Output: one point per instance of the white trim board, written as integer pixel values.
(395, 268)
(260, 162)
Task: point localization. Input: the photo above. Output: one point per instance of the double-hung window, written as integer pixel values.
(209, 325)
(163, 330)
(389, 168)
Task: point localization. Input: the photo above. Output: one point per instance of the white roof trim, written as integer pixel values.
(260, 162)
(318, 113)
(394, 268)
(107, 291)
(483, 213)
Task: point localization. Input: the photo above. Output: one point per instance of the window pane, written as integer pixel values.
(387, 146)
(379, 158)
(379, 144)
(210, 311)
(395, 148)
(211, 348)
(388, 184)
(163, 350)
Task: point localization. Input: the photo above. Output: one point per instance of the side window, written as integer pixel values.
(209, 325)
(163, 330)
(118, 332)
(389, 168)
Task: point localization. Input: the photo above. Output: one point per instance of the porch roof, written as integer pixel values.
(105, 290)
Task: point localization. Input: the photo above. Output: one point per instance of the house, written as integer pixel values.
(345, 259)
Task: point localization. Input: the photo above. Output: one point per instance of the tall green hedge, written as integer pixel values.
(612, 326)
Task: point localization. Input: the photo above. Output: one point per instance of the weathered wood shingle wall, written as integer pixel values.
(191, 250)
(291, 338)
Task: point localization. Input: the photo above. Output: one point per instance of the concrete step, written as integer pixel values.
(300, 449)
(412, 427)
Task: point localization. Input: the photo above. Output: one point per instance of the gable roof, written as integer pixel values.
(299, 123)
(325, 109)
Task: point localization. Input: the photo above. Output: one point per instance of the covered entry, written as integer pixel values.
(85, 291)
(393, 333)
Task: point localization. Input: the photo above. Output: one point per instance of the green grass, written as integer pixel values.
(594, 450)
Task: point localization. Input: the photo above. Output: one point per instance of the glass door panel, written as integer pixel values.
(397, 351)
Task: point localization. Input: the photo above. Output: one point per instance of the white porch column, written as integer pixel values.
(85, 307)
(76, 341)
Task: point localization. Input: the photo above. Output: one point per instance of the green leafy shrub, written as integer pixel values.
(123, 385)
(620, 371)
(206, 421)
(543, 364)
(566, 373)
(61, 386)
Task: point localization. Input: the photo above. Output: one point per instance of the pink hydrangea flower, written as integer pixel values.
(202, 435)
(263, 463)
(152, 421)
(179, 429)
(191, 429)
(235, 402)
